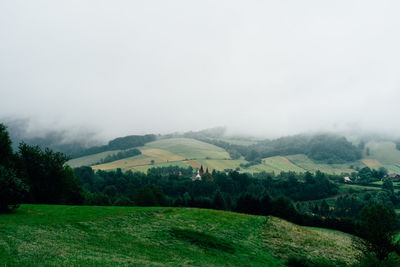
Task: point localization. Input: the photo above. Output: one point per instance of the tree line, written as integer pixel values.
(325, 148)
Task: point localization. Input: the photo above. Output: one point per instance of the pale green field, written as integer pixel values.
(392, 168)
(307, 164)
(384, 152)
(124, 164)
(190, 148)
(282, 164)
(91, 159)
(52, 235)
(221, 164)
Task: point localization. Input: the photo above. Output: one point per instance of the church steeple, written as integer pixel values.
(201, 171)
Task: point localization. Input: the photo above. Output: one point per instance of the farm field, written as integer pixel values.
(307, 164)
(282, 164)
(181, 152)
(384, 152)
(90, 159)
(190, 152)
(372, 163)
(51, 235)
(221, 164)
(189, 148)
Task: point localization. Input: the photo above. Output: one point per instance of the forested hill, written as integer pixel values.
(57, 141)
(326, 148)
(121, 143)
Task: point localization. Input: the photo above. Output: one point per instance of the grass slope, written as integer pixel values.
(90, 159)
(386, 154)
(181, 152)
(50, 235)
(190, 148)
(307, 164)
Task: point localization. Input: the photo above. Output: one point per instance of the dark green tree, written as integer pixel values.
(387, 185)
(49, 179)
(218, 201)
(12, 190)
(6, 153)
(378, 227)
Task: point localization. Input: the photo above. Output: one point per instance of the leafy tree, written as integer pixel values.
(123, 201)
(387, 185)
(218, 201)
(97, 199)
(150, 195)
(248, 204)
(6, 153)
(378, 227)
(324, 208)
(111, 191)
(12, 190)
(50, 180)
(365, 175)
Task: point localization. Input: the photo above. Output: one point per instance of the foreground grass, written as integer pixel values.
(50, 235)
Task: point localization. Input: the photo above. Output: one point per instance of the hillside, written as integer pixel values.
(53, 235)
(186, 152)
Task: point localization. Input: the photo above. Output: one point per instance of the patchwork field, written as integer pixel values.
(50, 235)
(190, 152)
(372, 163)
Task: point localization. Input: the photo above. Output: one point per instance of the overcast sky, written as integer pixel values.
(262, 67)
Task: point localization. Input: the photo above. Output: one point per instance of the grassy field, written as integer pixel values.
(91, 159)
(282, 164)
(384, 152)
(50, 235)
(307, 164)
(189, 148)
(221, 164)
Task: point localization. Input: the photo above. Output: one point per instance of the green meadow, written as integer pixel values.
(53, 235)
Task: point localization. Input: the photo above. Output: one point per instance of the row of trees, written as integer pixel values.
(120, 155)
(324, 147)
(33, 175)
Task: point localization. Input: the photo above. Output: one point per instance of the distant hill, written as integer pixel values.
(54, 235)
(213, 149)
(186, 152)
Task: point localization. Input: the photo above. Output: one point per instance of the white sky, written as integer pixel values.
(257, 67)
